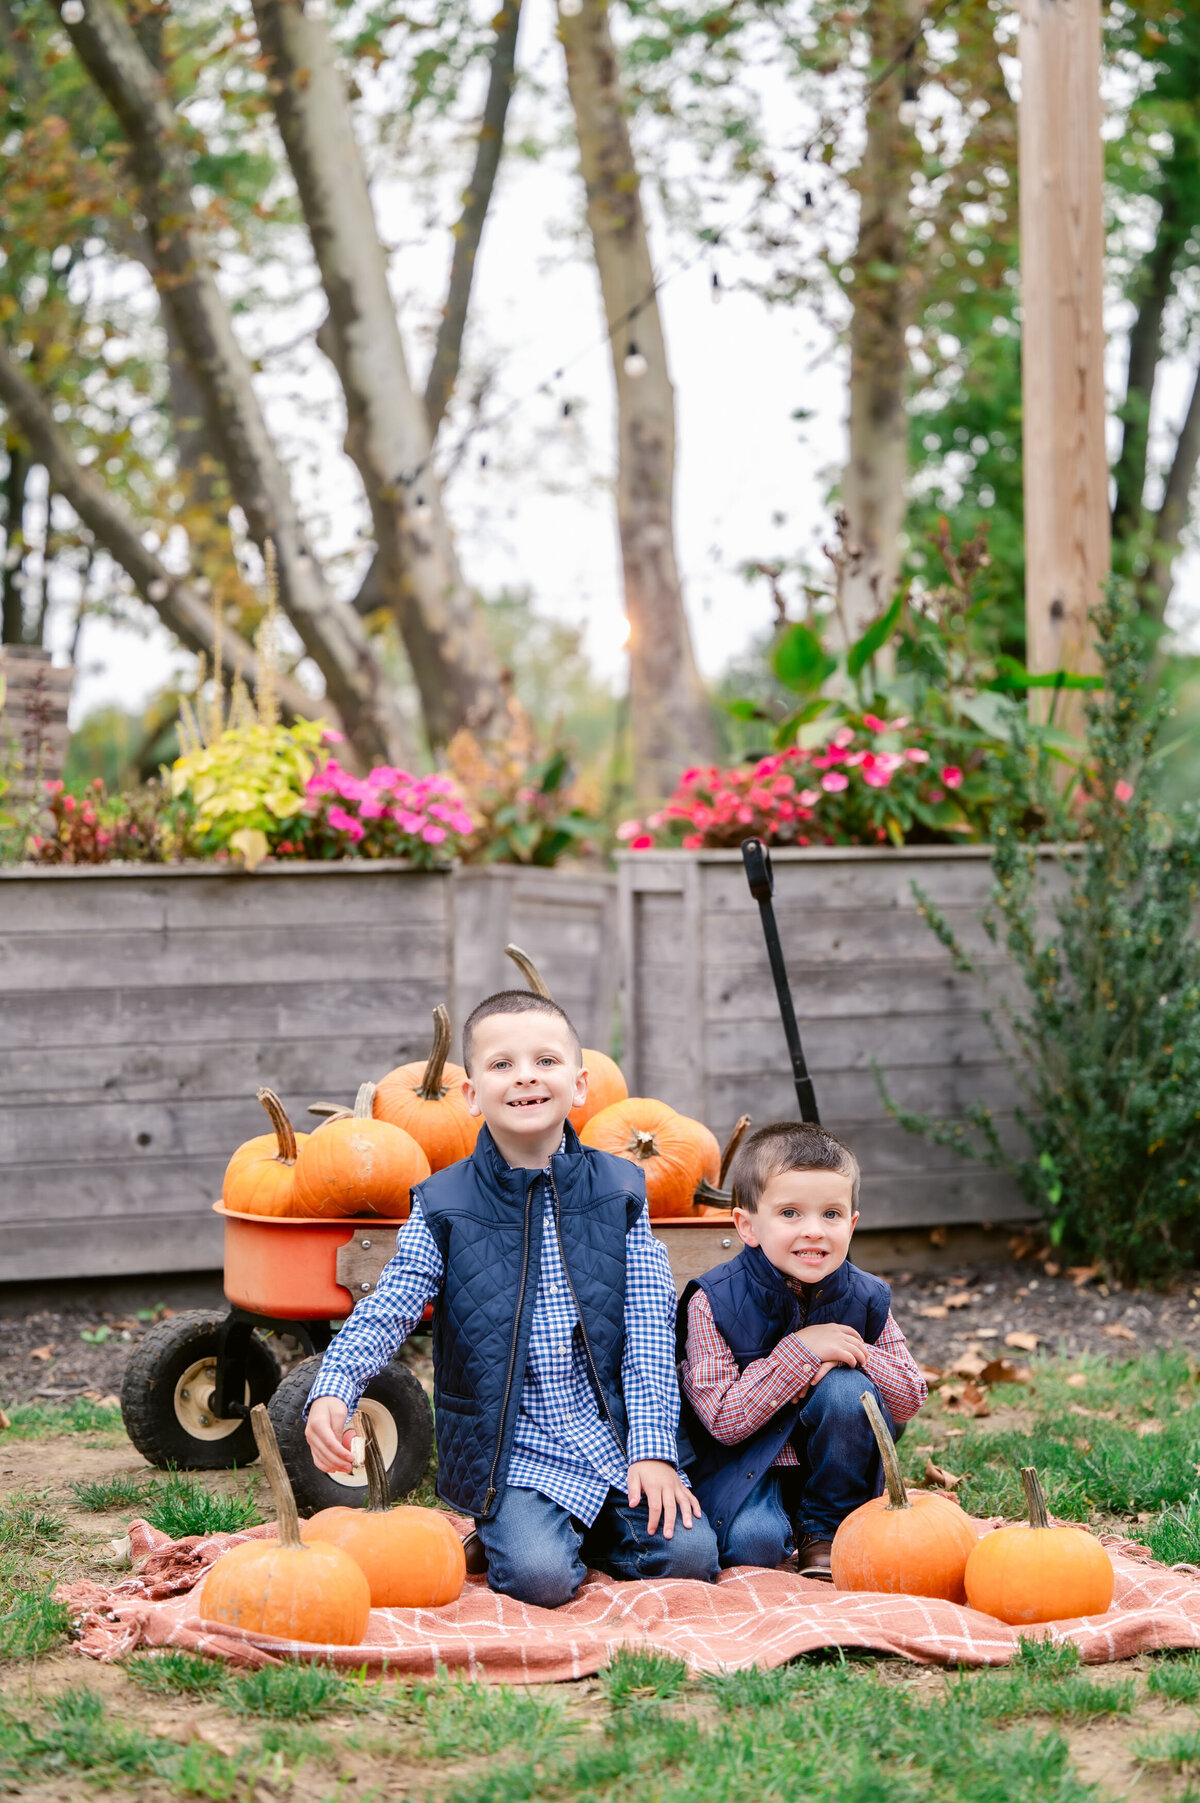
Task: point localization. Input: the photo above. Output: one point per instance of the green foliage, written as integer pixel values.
(525, 798)
(1106, 1045)
(1174, 1538)
(290, 1692)
(28, 1526)
(31, 1622)
(35, 1420)
(105, 1495)
(172, 1673)
(180, 1505)
(1177, 1678)
(75, 1734)
(634, 1678)
(247, 784)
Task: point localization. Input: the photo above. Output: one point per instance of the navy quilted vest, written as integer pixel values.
(487, 1221)
(754, 1308)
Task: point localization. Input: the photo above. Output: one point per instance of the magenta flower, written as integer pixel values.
(346, 823)
(629, 830)
(833, 782)
(842, 737)
(331, 736)
(643, 842)
(936, 795)
(876, 773)
(1123, 791)
(808, 798)
(916, 755)
(693, 841)
(433, 835)
(873, 723)
(952, 776)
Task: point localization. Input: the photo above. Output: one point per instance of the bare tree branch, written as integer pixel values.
(332, 633)
(173, 598)
(447, 355)
(1173, 514)
(386, 433)
(1145, 348)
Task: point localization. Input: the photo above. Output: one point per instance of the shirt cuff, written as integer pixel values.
(340, 1387)
(649, 1441)
(794, 1357)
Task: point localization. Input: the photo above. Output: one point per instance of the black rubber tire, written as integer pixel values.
(399, 1392)
(148, 1394)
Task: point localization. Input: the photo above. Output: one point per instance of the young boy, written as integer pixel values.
(555, 1389)
(780, 1344)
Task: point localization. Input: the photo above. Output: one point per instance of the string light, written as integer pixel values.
(420, 507)
(72, 12)
(715, 287)
(910, 110)
(635, 364)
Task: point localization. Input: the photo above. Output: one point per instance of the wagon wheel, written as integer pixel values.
(166, 1395)
(401, 1415)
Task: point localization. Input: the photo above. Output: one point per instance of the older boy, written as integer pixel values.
(555, 1390)
(779, 1344)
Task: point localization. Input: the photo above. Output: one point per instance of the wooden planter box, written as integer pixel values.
(701, 1029)
(566, 920)
(141, 1008)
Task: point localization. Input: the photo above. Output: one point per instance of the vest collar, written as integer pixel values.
(777, 1294)
(494, 1169)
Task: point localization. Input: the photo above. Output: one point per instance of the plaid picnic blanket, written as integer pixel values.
(749, 1617)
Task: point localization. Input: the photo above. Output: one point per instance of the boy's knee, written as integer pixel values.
(689, 1553)
(544, 1581)
(755, 1542)
(840, 1393)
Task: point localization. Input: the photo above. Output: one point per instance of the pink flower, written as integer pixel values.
(915, 755)
(407, 821)
(629, 829)
(856, 758)
(346, 823)
(433, 835)
(643, 842)
(745, 815)
(331, 736)
(809, 798)
(372, 809)
(876, 773)
(936, 795)
(68, 804)
(843, 736)
(53, 787)
(692, 775)
(833, 782)
(462, 823)
(952, 776)
(873, 723)
(693, 841)
(1123, 791)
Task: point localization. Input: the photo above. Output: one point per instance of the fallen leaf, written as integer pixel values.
(955, 1433)
(951, 1394)
(1117, 1330)
(962, 1299)
(1145, 1428)
(1051, 1269)
(986, 1333)
(969, 1364)
(41, 1352)
(1082, 1274)
(1001, 1371)
(1024, 1342)
(975, 1400)
(4, 1421)
(935, 1312)
(945, 1480)
(1144, 1515)
(939, 1236)
(930, 1373)
(1077, 1380)
(109, 1402)
(959, 1283)
(1082, 1445)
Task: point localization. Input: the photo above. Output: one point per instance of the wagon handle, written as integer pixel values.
(761, 879)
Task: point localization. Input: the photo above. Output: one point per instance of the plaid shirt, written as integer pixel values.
(561, 1446)
(733, 1405)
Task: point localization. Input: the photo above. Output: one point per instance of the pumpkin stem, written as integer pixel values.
(364, 1102)
(277, 1114)
(432, 1089)
(330, 1111)
(378, 1495)
(897, 1494)
(528, 970)
(281, 1490)
(731, 1145)
(643, 1145)
(1035, 1498)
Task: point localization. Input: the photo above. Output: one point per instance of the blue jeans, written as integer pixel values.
(539, 1553)
(839, 1470)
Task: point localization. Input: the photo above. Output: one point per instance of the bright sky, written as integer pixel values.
(751, 481)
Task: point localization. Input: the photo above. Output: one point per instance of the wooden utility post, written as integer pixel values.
(1067, 543)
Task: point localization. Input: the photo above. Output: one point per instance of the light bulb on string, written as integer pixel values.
(420, 507)
(635, 364)
(715, 287)
(910, 110)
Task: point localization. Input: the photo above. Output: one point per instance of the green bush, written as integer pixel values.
(1106, 1044)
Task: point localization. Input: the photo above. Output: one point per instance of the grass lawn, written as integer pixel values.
(1118, 1445)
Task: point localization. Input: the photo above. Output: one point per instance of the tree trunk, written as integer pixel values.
(12, 615)
(1173, 514)
(881, 297)
(672, 719)
(332, 633)
(1145, 345)
(387, 434)
(175, 600)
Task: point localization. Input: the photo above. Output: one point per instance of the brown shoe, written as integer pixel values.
(813, 1558)
(475, 1556)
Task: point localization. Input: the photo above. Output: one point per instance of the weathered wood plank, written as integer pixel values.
(870, 992)
(111, 1248)
(847, 1097)
(924, 1041)
(112, 1190)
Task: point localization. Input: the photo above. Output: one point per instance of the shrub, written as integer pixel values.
(1106, 1045)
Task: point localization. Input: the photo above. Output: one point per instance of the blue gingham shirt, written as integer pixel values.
(562, 1445)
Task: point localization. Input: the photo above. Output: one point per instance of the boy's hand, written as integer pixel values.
(665, 1492)
(327, 1436)
(834, 1344)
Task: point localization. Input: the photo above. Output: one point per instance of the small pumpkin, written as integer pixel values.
(716, 1199)
(260, 1177)
(1030, 1571)
(674, 1152)
(427, 1101)
(411, 1558)
(606, 1084)
(358, 1166)
(283, 1587)
(905, 1544)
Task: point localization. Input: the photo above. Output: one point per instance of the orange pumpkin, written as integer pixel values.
(673, 1151)
(606, 1085)
(1030, 1571)
(283, 1587)
(260, 1177)
(911, 1545)
(427, 1101)
(717, 1199)
(358, 1165)
(411, 1558)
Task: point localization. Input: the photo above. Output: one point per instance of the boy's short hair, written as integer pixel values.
(788, 1146)
(515, 1001)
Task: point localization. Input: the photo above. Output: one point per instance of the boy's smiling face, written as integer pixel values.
(803, 1223)
(525, 1079)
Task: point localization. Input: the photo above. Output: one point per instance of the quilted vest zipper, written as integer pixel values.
(490, 1497)
(587, 1347)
